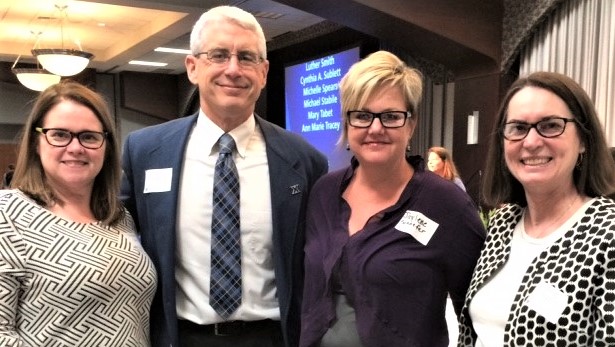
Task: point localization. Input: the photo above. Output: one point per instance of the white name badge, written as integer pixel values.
(547, 301)
(158, 180)
(417, 225)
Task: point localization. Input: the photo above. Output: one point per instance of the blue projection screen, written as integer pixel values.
(313, 108)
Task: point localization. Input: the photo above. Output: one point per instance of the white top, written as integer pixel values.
(193, 261)
(64, 283)
(490, 308)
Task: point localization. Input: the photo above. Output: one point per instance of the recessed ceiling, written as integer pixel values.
(118, 31)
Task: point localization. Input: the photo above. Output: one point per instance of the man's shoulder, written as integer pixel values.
(288, 140)
(153, 132)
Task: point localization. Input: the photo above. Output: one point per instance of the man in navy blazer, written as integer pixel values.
(167, 187)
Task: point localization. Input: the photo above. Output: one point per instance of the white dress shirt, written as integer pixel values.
(193, 253)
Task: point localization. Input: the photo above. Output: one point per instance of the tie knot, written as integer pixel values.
(227, 144)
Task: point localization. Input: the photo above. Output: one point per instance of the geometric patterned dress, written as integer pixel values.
(64, 283)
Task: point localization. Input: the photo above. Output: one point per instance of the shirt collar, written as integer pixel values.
(212, 133)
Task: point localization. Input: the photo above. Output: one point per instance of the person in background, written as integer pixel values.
(383, 248)
(8, 176)
(546, 274)
(440, 161)
(169, 188)
(72, 271)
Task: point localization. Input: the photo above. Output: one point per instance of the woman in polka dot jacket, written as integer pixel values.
(546, 274)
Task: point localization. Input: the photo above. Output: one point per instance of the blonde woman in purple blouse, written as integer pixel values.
(386, 240)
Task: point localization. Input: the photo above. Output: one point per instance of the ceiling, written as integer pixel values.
(118, 31)
(456, 33)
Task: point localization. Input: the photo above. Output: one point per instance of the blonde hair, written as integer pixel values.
(376, 70)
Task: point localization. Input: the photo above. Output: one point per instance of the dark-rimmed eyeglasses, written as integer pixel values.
(223, 56)
(388, 119)
(549, 127)
(62, 137)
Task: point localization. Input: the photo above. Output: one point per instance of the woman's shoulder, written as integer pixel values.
(332, 177)
(17, 207)
(12, 196)
(438, 187)
(599, 218)
(503, 219)
(126, 221)
(604, 202)
(601, 208)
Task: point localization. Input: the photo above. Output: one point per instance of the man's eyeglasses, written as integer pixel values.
(223, 56)
(550, 127)
(388, 119)
(62, 137)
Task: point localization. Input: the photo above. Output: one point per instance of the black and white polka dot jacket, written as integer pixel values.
(580, 269)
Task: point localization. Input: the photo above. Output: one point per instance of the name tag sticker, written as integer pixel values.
(417, 225)
(158, 180)
(547, 301)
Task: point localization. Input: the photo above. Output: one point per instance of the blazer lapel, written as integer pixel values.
(167, 152)
(287, 186)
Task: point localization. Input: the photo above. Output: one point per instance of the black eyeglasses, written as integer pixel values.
(388, 119)
(61, 137)
(549, 127)
(223, 56)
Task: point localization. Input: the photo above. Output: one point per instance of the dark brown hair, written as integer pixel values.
(595, 171)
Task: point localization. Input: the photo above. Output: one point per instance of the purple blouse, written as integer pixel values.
(398, 270)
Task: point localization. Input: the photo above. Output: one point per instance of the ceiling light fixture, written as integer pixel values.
(63, 61)
(173, 50)
(146, 63)
(34, 78)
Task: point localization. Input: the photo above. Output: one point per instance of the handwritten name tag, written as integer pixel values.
(418, 225)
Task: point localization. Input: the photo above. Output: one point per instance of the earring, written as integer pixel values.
(347, 146)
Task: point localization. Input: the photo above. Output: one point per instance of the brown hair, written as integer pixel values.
(595, 171)
(29, 175)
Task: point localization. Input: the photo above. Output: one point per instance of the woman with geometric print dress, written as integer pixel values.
(72, 271)
(546, 275)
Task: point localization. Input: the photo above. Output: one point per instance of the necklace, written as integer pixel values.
(551, 226)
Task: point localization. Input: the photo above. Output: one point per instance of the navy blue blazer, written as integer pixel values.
(294, 166)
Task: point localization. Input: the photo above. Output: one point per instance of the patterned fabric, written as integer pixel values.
(64, 283)
(521, 18)
(581, 265)
(225, 290)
